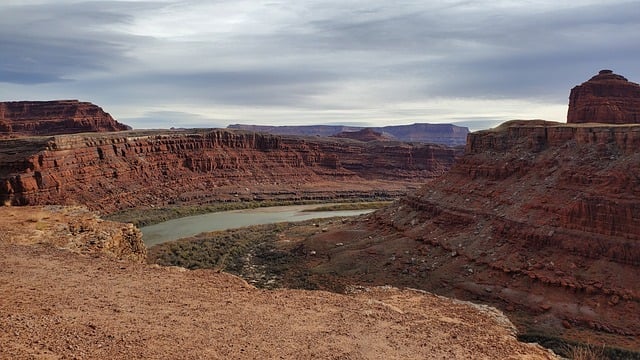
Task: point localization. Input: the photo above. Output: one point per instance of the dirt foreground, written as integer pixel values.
(58, 304)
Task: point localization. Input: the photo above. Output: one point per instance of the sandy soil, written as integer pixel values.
(57, 304)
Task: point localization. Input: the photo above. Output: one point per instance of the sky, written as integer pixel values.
(198, 63)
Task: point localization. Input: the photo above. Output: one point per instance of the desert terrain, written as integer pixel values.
(61, 301)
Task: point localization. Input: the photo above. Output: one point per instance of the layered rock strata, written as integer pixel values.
(537, 217)
(29, 118)
(605, 98)
(116, 171)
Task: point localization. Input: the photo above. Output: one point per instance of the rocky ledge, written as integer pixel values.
(33, 118)
(73, 228)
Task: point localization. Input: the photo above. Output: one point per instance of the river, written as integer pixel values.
(192, 225)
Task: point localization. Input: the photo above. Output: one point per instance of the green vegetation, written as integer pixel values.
(267, 256)
(219, 250)
(249, 252)
(352, 206)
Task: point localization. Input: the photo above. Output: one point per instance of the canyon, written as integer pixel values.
(120, 170)
(37, 118)
(537, 218)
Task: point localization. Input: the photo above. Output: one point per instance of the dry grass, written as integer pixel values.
(586, 352)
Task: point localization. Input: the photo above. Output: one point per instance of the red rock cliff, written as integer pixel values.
(605, 98)
(113, 171)
(28, 118)
(537, 217)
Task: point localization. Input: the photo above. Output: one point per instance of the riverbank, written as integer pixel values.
(142, 217)
(189, 226)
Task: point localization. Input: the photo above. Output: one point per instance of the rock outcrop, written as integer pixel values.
(446, 134)
(605, 98)
(33, 118)
(363, 135)
(73, 228)
(538, 218)
(113, 171)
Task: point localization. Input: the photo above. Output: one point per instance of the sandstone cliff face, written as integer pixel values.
(29, 118)
(537, 217)
(71, 227)
(123, 170)
(605, 98)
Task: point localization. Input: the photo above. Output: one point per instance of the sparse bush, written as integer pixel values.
(586, 352)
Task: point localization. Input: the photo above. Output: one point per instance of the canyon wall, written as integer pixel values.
(554, 207)
(605, 98)
(32, 118)
(114, 171)
(539, 218)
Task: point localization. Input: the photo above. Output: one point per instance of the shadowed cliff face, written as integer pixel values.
(605, 98)
(539, 218)
(29, 118)
(116, 171)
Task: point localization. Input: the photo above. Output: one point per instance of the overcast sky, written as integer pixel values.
(199, 63)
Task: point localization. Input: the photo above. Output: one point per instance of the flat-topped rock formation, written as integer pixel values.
(367, 134)
(605, 98)
(33, 118)
(114, 171)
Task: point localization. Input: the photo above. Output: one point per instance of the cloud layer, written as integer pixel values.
(211, 63)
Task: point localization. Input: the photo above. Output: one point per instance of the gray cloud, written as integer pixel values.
(371, 61)
(168, 119)
(57, 41)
